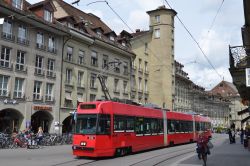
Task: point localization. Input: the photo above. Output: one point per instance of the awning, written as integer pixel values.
(244, 120)
(247, 110)
(68, 96)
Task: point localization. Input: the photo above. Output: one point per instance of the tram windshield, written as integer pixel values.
(93, 124)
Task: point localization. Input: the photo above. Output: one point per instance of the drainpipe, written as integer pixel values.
(60, 101)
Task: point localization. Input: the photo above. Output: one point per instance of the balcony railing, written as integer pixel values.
(51, 74)
(21, 68)
(52, 50)
(6, 65)
(238, 57)
(22, 41)
(40, 46)
(7, 36)
(39, 72)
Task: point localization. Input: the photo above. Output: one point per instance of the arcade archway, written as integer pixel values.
(68, 124)
(43, 119)
(10, 119)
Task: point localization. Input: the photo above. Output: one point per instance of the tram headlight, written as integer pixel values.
(83, 143)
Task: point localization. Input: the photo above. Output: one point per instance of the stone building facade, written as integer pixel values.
(153, 68)
(51, 56)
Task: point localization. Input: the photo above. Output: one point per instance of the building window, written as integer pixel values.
(69, 53)
(125, 68)
(17, 4)
(5, 57)
(4, 85)
(99, 34)
(94, 58)
(49, 92)
(37, 90)
(18, 91)
(52, 44)
(157, 19)
(116, 83)
(47, 16)
(105, 62)
(140, 84)
(157, 33)
(68, 76)
(50, 67)
(124, 43)
(146, 85)
(80, 79)
(112, 38)
(146, 66)
(117, 65)
(146, 47)
(81, 57)
(22, 35)
(40, 40)
(7, 29)
(92, 97)
(125, 84)
(92, 80)
(140, 66)
(20, 60)
(39, 65)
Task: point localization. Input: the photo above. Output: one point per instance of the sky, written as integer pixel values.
(197, 16)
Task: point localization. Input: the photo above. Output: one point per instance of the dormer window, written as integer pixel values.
(47, 16)
(112, 38)
(17, 4)
(123, 43)
(70, 25)
(99, 34)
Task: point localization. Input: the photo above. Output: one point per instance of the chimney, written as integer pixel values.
(137, 30)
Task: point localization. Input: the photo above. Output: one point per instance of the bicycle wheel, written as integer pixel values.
(204, 158)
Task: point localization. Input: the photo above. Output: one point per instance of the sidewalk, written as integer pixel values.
(223, 154)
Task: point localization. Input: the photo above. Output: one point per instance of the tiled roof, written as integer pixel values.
(225, 89)
(79, 16)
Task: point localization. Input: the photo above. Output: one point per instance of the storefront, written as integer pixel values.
(41, 118)
(10, 119)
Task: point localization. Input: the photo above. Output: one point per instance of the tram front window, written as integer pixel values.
(93, 124)
(86, 124)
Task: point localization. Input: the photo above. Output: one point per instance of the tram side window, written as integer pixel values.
(171, 126)
(139, 125)
(197, 126)
(160, 126)
(104, 124)
(190, 126)
(147, 126)
(154, 126)
(177, 126)
(119, 123)
(130, 124)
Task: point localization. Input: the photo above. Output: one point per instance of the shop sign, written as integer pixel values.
(10, 101)
(42, 108)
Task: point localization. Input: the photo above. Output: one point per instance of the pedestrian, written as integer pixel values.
(233, 136)
(39, 135)
(229, 132)
(241, 136)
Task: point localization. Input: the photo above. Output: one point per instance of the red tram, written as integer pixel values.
(106, 128)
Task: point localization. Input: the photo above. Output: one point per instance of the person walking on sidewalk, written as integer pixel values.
(229, 132)
(241, 136)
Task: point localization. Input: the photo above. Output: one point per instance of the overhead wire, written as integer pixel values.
(124, 22)
(203, 53)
